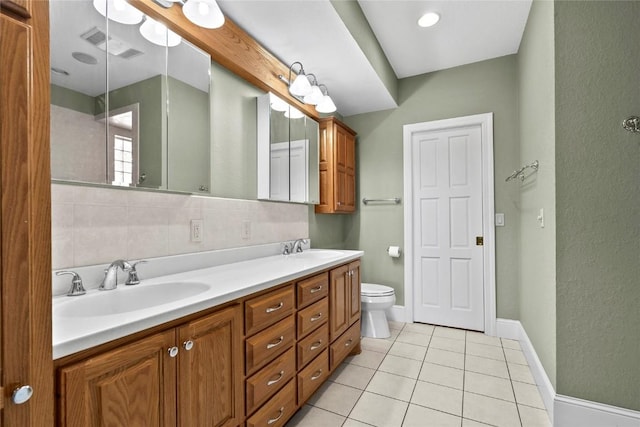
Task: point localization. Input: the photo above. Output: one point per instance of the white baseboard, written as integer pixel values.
(573, 412)
(397, 313)
(513, 329)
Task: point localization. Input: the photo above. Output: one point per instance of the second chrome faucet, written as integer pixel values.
(110, 280)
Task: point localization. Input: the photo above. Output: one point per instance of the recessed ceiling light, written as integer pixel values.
(429, 19)
(85, 58)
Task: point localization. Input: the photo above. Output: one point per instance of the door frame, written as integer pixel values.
(485, 121)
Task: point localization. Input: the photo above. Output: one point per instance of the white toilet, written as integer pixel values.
(375, 300)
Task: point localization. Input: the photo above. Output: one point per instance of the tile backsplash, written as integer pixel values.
(93, 225)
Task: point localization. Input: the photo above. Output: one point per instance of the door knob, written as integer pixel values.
(21, 394)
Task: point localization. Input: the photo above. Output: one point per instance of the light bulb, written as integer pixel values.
(203, 8)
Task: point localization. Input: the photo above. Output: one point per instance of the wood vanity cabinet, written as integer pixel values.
(344, 291)
(337, 167)
(141, 384)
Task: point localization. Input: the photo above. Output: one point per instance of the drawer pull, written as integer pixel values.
(316, 317)
(317, 375)
(273, 420)
(316, 289)
(275, 344)
(275, 307)
(272, 382)
(316, 345)
(348, 343)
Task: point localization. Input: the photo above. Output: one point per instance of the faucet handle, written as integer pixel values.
(76, 283)
(133, 278)
(287, 248)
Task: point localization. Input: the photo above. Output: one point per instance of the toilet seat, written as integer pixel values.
(373, 290)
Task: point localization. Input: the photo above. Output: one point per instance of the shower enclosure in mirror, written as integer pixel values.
(287, 153)
(129, 100)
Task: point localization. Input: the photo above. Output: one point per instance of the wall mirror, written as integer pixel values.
(287, 152)
(130, 101)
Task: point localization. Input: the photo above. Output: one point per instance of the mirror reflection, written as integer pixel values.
(130, 102)
(287, 152)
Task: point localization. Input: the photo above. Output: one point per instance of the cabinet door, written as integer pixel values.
(210, 372)
(133, 385)
(354, 303)
(349, 202)
(339, 300)
(345, 195)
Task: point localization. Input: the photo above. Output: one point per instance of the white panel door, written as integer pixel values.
(447, 220)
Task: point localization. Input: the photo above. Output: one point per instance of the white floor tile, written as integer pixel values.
(500, 388)
(374, 344)
(528, 394)
(410, 351)
(391, 385)
(520, 373)
(456, 334)
(354, 423)
(490, 411)
(448, 344)
(442, 375)
(352, 375)
(515, 356)
(419, 416)
(309, 416)
(401, 366)
(336, 398)
(446, 358)
(367, 359)
(438, 397)
(414, 338)
(532, 417)
(418, 328)
(480, 338)
(512, 344)
(396, 325)
(470, 423)
(482, 365)
(379, 410)
(482, 350)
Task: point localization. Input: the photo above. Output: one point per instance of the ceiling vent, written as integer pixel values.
(112, 45)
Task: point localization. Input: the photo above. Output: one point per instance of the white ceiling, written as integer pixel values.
(312, 32)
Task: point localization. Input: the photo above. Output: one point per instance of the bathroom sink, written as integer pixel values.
(128, 299)
(317, 254)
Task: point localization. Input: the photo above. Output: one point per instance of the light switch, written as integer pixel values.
(541, 218)
(499, 220)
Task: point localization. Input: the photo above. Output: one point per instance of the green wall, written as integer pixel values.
(598, 201)
(489, 86)
(77, 101)
(537, 275)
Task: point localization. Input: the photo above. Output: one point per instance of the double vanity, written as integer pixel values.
(241, 343)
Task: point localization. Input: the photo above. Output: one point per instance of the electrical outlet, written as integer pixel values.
(246, 230)
(196, 230)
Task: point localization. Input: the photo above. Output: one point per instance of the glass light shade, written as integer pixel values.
(293, 113)
(314, 97)
(278, 104)
(118, 11)
(326, 105)
(204, 13)
(428, 19)
(300, 86)
(157, 33)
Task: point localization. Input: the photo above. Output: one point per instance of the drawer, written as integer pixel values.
(268, 380)
(312, 289)
(277, 411)
(265, 346)
(312, 345)
(267, 309)
(344, 345)
(312, 377)
(312, 317)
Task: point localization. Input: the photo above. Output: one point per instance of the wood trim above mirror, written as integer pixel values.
(232, 48)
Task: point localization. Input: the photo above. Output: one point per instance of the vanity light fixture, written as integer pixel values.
(157, 33)
(429, 19)
(203, 13)
(278, 104)
(118, 11)
(326, 105)
(316, 93)
(293, 113)
(300, 86)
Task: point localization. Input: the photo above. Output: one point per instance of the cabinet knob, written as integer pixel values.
(188, 345)
(173, 351)
(21, 394)
(348, 343)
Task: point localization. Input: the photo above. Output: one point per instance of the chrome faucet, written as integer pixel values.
(110, 280)
(297, 245)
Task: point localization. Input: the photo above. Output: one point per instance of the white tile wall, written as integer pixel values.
(92, 225)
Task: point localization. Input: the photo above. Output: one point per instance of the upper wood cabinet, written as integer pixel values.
(337, 167)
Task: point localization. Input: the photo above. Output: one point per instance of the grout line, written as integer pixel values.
(464, 378)
(417, 378)
(512, 388)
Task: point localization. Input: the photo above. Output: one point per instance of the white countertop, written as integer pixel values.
(229, 282)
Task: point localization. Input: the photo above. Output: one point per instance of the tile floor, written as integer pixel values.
(426, 376)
